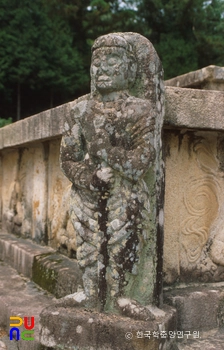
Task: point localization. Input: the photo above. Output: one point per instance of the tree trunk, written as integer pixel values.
(18, 112)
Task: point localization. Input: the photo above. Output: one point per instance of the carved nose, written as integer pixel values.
(104, 66)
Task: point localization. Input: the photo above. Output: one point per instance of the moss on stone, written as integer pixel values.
(44, 276)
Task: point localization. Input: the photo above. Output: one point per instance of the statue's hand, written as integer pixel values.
(103, 178)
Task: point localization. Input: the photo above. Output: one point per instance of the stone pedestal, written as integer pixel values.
(69, 327)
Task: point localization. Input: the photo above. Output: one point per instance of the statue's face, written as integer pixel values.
(109, 69)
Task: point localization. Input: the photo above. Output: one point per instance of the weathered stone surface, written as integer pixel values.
(20, 253)
(194, 242)
(198, 307)
(20, 297)
(51, 271)
(59, 226)
(212, 340)
(111, 152)
(75, 328)
(208, 78)
(195, 109)
(45, 125)
(35, 195)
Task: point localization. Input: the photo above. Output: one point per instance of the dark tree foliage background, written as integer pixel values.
(45, 45)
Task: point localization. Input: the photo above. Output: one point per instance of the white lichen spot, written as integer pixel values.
(161, 217)
(66, 126)
(47, 338)
(100, 266)
(55, 313)
(123, 302)
(78, 296)
(98, 121)
(116, 224)
(79, 329)
(75, 131)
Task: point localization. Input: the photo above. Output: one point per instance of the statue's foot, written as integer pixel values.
(133, 309)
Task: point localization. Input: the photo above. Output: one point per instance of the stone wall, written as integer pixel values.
(35, 193)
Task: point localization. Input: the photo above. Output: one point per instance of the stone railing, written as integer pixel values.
(35, 194)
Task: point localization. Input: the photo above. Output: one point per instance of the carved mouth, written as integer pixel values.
(103, 78)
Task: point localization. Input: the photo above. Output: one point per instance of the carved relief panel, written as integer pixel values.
(194, 197)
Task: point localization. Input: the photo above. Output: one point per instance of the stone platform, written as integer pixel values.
(67, 327)
(63, 326)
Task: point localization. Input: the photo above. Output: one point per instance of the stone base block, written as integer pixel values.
(72, 328)
(198, 308)
(57, 274)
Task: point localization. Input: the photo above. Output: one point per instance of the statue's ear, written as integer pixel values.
(132, 72)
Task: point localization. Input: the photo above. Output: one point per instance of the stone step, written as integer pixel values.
(19, 253)
(28, 272)
(66, 325)
(199, 307)
(52, 271)
(20, 297)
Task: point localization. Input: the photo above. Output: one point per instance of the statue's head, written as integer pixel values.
(113, 66)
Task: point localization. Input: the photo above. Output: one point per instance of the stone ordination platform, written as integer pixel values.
(21, 296)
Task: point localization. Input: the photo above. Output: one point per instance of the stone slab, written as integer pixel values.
(184, 107)
(195, 109)
(19, 253)
(42, 126)
(198, 308)
(78, 329)
(53, 272)
(194, 197)
(57, 274)
(209, 78)
(20, 297)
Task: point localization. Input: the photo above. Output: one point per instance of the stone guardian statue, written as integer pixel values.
(111, 152)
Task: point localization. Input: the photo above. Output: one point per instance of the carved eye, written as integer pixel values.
(112, 61)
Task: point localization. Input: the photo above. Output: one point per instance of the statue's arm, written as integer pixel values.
(76, 163)
(131, 163)
(74, 160)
